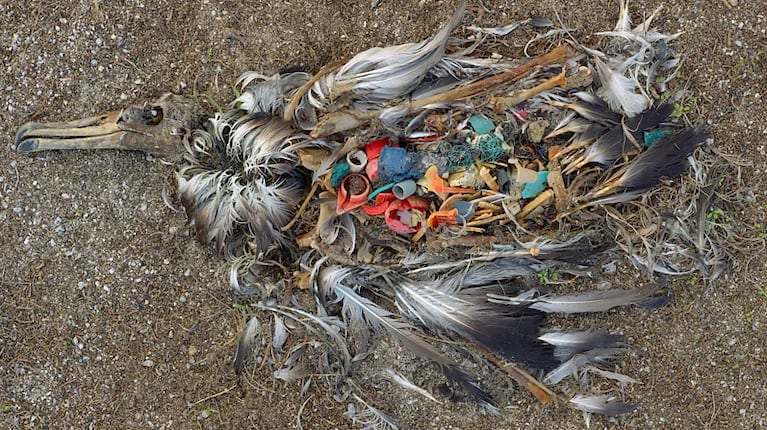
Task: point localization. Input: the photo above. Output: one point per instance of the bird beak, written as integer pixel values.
(97, 132)
(161, 128)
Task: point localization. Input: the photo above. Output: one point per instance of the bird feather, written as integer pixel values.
(619, 92)
(602, 404)
(574, 364)
(405, 383)
(667, 157)
(569, 343)
(246, 344)
(590, 301)
(357, 308)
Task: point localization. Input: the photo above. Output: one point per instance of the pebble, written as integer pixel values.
(147, 363)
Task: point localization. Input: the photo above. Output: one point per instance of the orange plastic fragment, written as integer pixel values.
(438, 185)
(442, 217)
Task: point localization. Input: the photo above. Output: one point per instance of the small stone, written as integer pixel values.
(147, 363)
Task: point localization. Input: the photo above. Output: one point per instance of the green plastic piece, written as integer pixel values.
(481, 124)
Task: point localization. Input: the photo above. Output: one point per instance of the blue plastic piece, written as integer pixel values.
(651, 136)
(481, 124)
(340, 170)
(534, 188)
(465, 210)
(379, 190)
(395, 165)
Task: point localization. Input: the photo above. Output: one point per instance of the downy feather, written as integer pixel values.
(619, 92)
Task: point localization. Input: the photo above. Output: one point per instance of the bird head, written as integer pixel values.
(161, 128)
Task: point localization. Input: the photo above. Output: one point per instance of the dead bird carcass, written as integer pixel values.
(421, 189)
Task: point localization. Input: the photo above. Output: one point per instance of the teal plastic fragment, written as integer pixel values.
(651, 136)
(340, 170)
(534, 188)
(481, 124)
(379, 190)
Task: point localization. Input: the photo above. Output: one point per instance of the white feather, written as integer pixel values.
(602, 404)
(405, 383)
(620, 92)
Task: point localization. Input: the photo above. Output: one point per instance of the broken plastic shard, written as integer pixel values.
(405, 216)
(651, 136)
(536, 130)
(468, 178)
(525, 175)
(465, 210)
(532, 189)
(481, 124)
(504, 180)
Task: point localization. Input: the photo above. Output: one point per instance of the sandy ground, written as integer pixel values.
(112, 317)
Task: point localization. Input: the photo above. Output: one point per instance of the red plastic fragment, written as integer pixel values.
(352, 199)
(382, 201)
(373, 151)
(399, 213)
